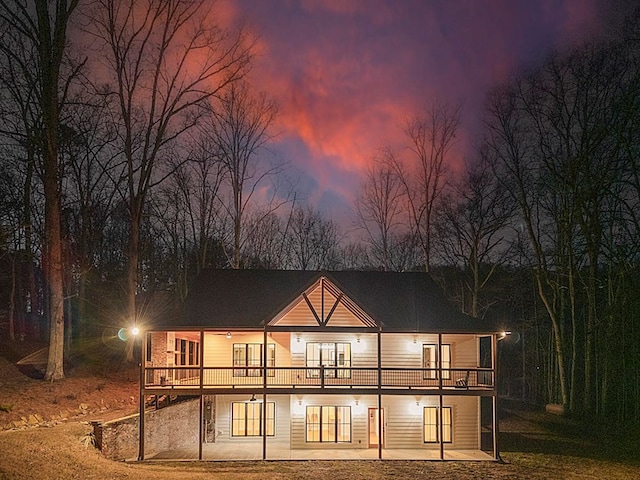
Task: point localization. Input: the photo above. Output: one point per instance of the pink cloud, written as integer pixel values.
(348, 74)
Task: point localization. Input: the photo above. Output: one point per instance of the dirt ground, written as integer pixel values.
(28, 400)
(535, 445)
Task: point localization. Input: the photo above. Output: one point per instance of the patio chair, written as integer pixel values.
(463, 382)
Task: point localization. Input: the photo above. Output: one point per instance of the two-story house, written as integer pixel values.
(304, 365)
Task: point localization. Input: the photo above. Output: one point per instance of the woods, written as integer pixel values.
(125, 173)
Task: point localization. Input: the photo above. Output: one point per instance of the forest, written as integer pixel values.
(135, 152)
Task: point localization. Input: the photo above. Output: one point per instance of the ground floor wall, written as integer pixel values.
(403, 421)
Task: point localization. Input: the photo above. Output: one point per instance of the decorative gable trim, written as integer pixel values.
(323, 304)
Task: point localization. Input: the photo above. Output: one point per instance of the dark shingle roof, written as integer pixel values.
(401, 302)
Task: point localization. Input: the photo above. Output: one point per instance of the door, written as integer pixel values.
(375, 436)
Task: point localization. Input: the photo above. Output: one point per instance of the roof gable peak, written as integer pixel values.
(323, 304)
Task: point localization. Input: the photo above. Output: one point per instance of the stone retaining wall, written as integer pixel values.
(168, 428)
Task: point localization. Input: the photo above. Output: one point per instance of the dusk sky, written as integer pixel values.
(347, 74)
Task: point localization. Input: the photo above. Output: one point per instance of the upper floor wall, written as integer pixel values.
(236, 358)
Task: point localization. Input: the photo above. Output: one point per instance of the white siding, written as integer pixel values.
(359, 413)
(404, 421)
(218, 349)
(405, 350)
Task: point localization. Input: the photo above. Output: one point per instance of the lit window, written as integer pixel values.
(332, 356)
(246, 419)
(431, 421)
(328, 424)
(250, 355)
(187, 354)
(430, 361)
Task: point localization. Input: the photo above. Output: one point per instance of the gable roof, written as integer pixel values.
(398, 302)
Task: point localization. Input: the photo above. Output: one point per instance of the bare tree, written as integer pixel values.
(239, 130)
(89, 194)
(431, 136)
(166, 60)
(312, 240)
(41, 26)
(473, 225)
(189, 216)
(263, 247)
(379, 208)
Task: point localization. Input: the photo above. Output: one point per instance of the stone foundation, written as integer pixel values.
(168, 428)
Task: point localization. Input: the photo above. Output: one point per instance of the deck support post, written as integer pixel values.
(201, 418)
(380, 419)
(494, 358)
(440, 426)
(143, 356)
(264, 395)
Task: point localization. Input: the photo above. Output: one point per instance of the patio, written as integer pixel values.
(279, 451)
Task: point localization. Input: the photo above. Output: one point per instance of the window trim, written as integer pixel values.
(270, 422)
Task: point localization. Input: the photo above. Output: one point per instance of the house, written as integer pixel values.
(304, 365)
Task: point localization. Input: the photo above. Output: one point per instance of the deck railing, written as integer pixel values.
(319, 377)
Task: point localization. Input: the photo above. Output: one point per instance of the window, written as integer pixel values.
(246, 419)
(328, 424)
(148, 346)
(430, 360)
(431, 421)
(187, 352)
(329, 355)
(250, 355)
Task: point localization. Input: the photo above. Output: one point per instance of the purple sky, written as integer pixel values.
(347, 74)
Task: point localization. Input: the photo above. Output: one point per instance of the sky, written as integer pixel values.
(348, 74)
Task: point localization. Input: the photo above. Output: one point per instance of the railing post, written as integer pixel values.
(321, 376)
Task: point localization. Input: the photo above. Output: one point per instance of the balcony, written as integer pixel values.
(296, 378)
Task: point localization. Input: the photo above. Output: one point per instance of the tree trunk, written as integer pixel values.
(131, 313)
(55, 363)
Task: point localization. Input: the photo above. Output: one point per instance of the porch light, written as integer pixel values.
(135, 331)
(504, 334)
(228, 334)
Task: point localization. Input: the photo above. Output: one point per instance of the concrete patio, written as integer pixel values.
(278, 451)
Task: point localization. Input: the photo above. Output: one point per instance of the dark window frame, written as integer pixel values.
(337, 423)
(248, 369)
(436, 425)
(270, 421)
(335, 367)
